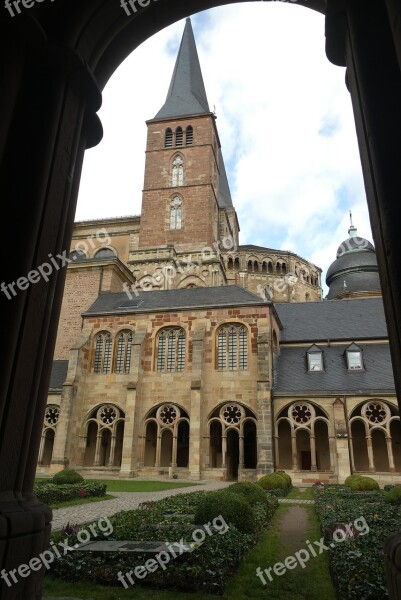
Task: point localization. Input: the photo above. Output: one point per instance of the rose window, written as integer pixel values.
(375, 412)
(108, 415)
(232, 414)
(168, 414)
(301, 413)
(52, 414)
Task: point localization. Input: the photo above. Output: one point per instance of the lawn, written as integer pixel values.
(129, 485)
(81, 501)
(301, 493)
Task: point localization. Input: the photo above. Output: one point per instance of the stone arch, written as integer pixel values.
(191, 281)
(52, 415)
(231, 429)
(166, 436)
(309, 430)
(373, 423)
(102, 436)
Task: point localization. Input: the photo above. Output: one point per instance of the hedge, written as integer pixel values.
(276, 483)
(52, 494)
(361, 483)
(68, 476)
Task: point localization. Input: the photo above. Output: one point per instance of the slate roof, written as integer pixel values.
(58, 375)
(332, 320)
(166, 300)
(186, 95)
(292, 377)
(225, 200)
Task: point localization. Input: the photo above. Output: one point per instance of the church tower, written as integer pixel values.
(186, 205)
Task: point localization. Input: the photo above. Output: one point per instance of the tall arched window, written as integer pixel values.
(176, 213)
(232, 348)
(178, 172)
(103, 352)
(123, 348)
(189, 135)
(171, 349)
(168, 142)
(179, 136)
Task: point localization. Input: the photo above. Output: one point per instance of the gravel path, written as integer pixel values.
(91, 512)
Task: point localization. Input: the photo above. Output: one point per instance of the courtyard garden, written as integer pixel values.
(238, 542)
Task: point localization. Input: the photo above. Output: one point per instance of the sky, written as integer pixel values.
(284, 117)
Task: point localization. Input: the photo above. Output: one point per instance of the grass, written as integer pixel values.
(129, 485)
(311, 583)
(302, 494)
(81, 501)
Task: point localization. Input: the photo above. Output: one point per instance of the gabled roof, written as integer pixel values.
(292, 377)
(186, 95)
(173, 300)
(58, 375)
(332, 320)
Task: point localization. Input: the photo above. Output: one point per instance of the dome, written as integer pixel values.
(355, 269)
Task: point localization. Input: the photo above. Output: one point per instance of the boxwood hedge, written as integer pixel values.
(49, 493)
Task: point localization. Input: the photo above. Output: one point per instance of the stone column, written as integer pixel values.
(96, 462)
(390, 454)
(174, 452)
(313, 453)
(241, 452)
(276, 452)
(265, 462)
(41, 448)
(47, 118)
(196, 417)
(294, 450)
(158, 450)
(112, 450)
(132, 443)
(223, 450)
(370, 453)
(341, 430)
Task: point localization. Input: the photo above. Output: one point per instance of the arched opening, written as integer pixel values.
(150, 444)
(105, 447)
(264, 267)
(255, 266)
(395, 431)
(91, 438)
(232, 456)
(380, 455)
(304, 450)
(359, 446)
(322, 446)
(250, 266)
(270, 267)
(284, 457)
(230, 264)
(48, 447)
(215, 445)
(119, 444)
(183, 444)
(236, 264)
(250, 447)
(166, 453)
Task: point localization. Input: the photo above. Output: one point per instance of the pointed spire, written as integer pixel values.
(186, 95)
(352, 231)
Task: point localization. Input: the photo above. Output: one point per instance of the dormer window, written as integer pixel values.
(354, 358)
(315, 359)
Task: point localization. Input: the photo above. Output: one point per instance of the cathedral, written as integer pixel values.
(182, 353)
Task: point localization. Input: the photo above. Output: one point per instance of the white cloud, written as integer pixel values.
(284, 117)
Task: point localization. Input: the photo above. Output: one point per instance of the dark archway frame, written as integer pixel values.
(55, 60)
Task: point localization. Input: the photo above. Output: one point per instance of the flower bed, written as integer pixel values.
(204, 569)
(357, 564)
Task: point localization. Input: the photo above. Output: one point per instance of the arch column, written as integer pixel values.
(369, 445)
(241, 452)
(112, 450)
(41, 448)
(390, 454)
(174, 452)
(312, 440)
(82, 447)
(223, 450)
(158, 449)
(294, 451)
(96, 462)
(276, 452)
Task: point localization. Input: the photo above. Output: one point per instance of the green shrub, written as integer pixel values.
(359, 483)
(393, 496)
(251, 491)
(275, 484)
(286, 477)
(233, 507)
(68, 476)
